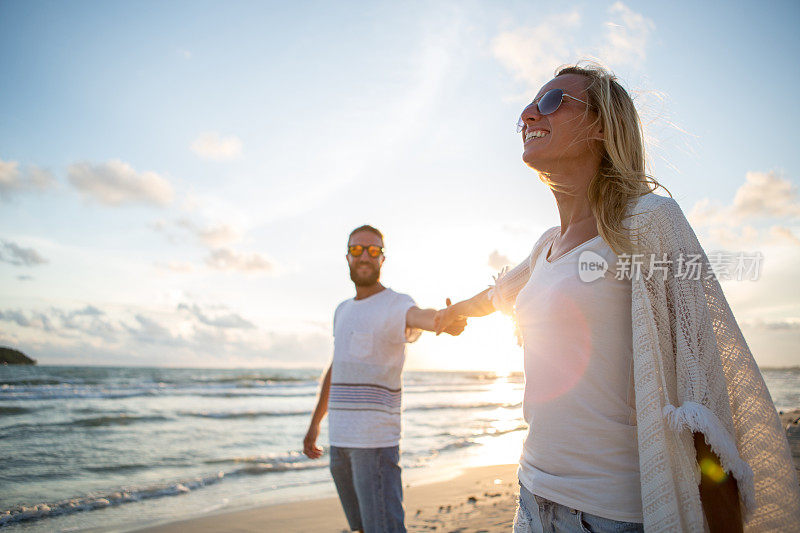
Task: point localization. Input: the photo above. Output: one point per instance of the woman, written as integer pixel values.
(635, 369)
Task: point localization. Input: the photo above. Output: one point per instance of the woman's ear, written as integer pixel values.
(596, 133)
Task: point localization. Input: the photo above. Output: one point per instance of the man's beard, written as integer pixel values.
(366, 280)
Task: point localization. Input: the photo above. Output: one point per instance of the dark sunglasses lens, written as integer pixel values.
(356, 250)
(374, 251)
(550, 101)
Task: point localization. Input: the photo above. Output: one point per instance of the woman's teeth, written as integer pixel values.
(535, 134)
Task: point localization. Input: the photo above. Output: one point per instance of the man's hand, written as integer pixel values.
(448, 320)
(310, 447)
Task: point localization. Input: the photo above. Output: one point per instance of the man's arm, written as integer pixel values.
(425, 319)
(310, 447)
(719, 493)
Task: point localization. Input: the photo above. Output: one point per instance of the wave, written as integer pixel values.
(96, 421)
(23, 513)
(266, 468)
(115, 420)
(431, 378)
(111, 391)
(472, 440)
(35, 394)
(250, 393)
(66, 394)
(288, 457)
(250, 380)
(255, 465)
(14, 410)
(118, 468)
(243, 414)
(32, 382)
(482, 405)
(417, 389)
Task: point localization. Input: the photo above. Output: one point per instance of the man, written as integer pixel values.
(362, 390)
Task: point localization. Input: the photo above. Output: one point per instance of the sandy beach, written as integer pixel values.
(480, 499)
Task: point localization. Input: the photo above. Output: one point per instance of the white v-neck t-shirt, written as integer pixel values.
(581, 450)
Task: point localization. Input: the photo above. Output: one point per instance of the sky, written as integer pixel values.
(178, 179)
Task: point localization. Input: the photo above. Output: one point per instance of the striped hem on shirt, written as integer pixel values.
(361, 396)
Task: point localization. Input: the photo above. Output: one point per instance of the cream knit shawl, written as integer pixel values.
(693, 373)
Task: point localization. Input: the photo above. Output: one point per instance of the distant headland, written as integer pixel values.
(10, 356)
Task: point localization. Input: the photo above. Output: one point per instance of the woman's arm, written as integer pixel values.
(719, 492)
(478, 305)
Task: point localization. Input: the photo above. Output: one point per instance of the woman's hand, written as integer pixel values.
(448, 320)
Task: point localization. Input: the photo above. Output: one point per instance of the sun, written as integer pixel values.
(488, 343)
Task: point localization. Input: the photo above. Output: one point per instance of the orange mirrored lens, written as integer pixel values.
(357, 249)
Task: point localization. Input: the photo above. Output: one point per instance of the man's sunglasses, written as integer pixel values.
(548, 103)
(357, 249)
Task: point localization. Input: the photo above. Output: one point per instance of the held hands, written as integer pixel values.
(310, 447)
(448, 320)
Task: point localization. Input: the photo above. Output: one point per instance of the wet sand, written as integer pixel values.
(479, 500)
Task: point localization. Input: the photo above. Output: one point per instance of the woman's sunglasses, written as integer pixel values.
(357, 249)
(548, 103)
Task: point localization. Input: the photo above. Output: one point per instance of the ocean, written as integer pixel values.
(116, 448)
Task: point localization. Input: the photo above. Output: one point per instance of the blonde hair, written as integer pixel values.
(622, 175)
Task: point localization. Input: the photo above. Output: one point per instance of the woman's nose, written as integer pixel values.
(530, 114)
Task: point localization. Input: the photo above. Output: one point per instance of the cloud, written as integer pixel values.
(116, 183)
(532, 54)
(16, 255)
(17, 317)
(230, 320)
(766, 194)
(760, 217)
(211, 145)
(35, 321)
(92, 322)
(787, 324)
(227, 259)
(149, 331)
(214, 235)
(176, 266)
(14, 180)
(626, 36)
(707, 213)
(196, 336)
(783, 234)
(732, 237)
(497, 261)
(66, 324)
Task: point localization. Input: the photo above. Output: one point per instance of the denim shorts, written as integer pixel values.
(369, 487)
(540, 515)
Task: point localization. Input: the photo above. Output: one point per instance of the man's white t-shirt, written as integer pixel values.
(369, 350)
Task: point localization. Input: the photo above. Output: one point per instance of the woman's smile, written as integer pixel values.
(532, 134)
